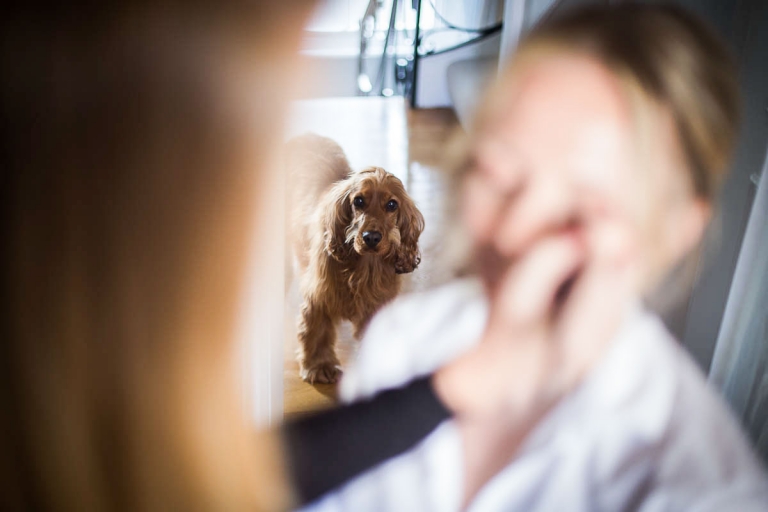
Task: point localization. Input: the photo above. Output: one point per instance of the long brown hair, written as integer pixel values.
(129, 169)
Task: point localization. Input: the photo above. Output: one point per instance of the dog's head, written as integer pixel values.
(370, 214)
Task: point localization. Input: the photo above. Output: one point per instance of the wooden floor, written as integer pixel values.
(411, 145)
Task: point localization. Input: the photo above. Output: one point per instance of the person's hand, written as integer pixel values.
(553, 311)
(554, 308)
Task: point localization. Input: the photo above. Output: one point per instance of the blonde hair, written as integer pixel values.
(675, 59)
(124, 186)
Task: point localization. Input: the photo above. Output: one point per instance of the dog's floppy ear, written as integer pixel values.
(336, 215)
(410, 224)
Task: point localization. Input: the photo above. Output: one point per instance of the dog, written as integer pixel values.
(352, 234)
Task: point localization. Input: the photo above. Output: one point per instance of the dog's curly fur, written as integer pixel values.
(343, 278)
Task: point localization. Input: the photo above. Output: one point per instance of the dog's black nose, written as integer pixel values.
(372, 238)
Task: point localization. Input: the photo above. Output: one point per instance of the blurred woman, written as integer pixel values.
(591, 172)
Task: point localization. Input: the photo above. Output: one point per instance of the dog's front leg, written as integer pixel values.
(317, 340)
(360, 324)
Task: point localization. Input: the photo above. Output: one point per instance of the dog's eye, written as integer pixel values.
(392, 206)
(359, 202)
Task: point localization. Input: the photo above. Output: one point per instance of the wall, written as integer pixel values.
(745, 25)
(432, 90)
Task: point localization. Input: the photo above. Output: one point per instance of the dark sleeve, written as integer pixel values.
(328, 448)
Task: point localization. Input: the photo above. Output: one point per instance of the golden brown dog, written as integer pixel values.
(352, 234)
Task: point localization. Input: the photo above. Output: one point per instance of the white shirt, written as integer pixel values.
(643, 431)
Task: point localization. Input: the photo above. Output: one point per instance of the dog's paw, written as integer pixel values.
(406, 265)
(324, 373)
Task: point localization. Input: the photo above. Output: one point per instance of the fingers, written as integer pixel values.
(527, 291)
(518, 343)
(545, 205)
(549, 338)
(483, 204)
(559, 338)
(597, 304)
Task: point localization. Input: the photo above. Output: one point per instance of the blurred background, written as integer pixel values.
(393, 80)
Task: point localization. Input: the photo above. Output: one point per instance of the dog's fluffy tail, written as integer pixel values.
(313, 164)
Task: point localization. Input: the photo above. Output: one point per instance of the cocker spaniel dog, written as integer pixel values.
(352, 234)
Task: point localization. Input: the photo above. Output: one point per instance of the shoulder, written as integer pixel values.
(657, 415)
(414, 335)
(644, 430)
(708, 459)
